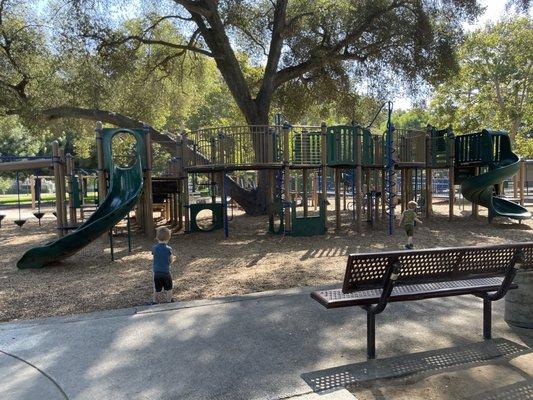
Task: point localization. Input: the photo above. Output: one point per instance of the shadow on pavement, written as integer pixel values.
(516, 391)
(400, 366)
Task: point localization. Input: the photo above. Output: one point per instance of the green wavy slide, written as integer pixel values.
(124, 191)
(480, 189)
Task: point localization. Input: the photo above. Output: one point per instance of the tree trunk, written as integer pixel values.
(261, 192)
(515, 126)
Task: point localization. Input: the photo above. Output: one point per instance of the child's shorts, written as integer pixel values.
(409, 230)
(162, 280)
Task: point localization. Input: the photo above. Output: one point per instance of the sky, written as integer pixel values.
(495, 9)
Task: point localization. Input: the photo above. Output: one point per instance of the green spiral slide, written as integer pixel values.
(125, 188)
(480, 189)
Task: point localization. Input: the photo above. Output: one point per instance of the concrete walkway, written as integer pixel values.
(260, 346)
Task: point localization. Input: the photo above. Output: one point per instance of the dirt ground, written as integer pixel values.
(498, 379)
(208, 265)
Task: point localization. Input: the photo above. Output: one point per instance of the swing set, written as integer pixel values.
(57, 163)
(36, 190)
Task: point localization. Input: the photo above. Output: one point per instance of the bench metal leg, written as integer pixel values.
(487, 319)
(370, 335)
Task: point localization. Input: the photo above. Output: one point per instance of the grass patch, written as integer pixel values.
(25, 199)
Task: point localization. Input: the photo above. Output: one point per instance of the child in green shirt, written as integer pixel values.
(408, 221)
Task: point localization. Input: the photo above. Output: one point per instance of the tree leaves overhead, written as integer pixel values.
(412, 40)
(16, 140)
(146, 82)
(192, 63)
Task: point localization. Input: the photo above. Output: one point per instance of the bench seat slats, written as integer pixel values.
(366, 271)
(336, 298)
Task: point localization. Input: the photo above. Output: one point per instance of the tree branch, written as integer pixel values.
(336, 52)
(141, 39)
(8, 85)
(164, 18)
(19, 88)
(294, 19)
(194, 7)
(214, 34)
(253, 39)
(276, 43)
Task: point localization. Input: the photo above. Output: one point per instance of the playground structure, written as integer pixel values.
(126, 179)
(492, 152)
(383, 171)
(70, 186)
(61, 165)
(380, 172)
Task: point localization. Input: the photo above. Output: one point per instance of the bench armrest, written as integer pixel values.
(514, 265)
(391, 276)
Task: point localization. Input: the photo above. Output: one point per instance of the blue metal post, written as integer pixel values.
(353, 192)
(389, 170)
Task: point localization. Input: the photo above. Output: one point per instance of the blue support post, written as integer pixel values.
(353, 193)
(389, 170)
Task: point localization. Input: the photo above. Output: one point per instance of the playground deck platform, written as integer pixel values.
(279, 165)
(271, 345)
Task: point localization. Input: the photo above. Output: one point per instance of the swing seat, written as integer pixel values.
(20, 222)
(38, 215)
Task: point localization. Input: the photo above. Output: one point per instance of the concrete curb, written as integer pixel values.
(143, 309)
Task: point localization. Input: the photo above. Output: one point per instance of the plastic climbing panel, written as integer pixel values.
(75, 196)
(341, 145)
(373, 149)
(474, 149)
(441, 141)
(308, 226)
(217, 221)
(138, 148)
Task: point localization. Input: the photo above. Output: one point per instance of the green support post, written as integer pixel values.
(128, 222)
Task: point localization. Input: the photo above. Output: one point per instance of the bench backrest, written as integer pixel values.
(367, 271)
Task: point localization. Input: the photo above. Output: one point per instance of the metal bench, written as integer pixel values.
(372, 280)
